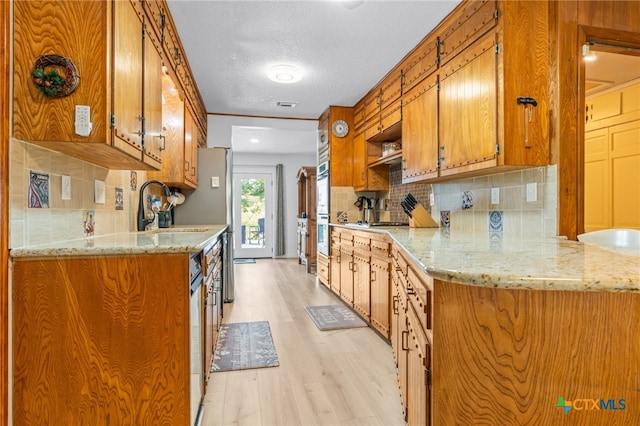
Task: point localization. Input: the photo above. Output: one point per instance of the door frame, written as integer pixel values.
(256, 171)
(5, 48)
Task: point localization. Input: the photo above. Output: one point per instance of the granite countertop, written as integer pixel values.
(496, 260)
(177, 239)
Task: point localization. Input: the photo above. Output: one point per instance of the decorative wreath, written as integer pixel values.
(51, 83)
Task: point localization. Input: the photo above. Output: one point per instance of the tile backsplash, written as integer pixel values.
(468, 201)
(65, 219)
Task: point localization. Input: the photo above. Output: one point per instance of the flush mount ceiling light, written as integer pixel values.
(254, 140)
(284, 73)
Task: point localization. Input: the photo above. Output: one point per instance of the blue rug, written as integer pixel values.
(244, 345)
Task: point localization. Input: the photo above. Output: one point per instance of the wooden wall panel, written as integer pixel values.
(5, 79)
(505, 356)
(101, 339)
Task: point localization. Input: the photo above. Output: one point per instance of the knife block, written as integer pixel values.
(421, 218)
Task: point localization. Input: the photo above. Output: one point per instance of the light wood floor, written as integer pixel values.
(340, 377)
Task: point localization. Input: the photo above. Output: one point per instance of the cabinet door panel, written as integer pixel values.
(420, 131)
(380, 288)
(152, 101)
(625, 175)
(362, 286)
(127, 77)
(596, 178)
(468, 89)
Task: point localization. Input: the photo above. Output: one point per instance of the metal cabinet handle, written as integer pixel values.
(405, 342)
(395, 305)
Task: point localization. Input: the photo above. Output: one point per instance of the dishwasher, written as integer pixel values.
(196, 334)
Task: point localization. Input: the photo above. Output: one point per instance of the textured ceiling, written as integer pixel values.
(343, 48)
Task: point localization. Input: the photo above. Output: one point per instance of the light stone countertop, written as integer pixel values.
(496, 260)
(178, 239)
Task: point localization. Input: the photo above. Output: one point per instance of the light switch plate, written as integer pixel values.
(66, 187)
(99, 191)
(215, 181)
(495, 195)
(532, 192)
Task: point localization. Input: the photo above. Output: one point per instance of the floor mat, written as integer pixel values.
(244, 345)
(244, 261)
(333, 317)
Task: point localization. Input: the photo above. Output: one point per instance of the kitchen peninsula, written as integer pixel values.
(508, 330)
(112, 327)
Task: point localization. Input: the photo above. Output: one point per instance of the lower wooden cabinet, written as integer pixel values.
(323, 270)
(359, 269)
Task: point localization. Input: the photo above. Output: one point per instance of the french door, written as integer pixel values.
(253, 215)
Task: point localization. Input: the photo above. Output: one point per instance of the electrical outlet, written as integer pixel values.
(495, 195)
(66, 187)
(215, 181)
(532, 192)
(432, 199)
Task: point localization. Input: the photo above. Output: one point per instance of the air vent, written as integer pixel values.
(284, 104)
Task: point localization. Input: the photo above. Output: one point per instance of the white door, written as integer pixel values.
(253, 215)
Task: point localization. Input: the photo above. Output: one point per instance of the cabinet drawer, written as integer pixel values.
(417, 334)
(420, 293)
(420, 64)
(323, 269)
(466, 26)
(380, 249)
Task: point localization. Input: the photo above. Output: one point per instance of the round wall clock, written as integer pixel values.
(340, 128)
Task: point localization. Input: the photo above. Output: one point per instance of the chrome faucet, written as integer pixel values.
(142, 220)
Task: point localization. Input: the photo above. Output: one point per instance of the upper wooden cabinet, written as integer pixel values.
(339, 150)
(119, 57)
(486, 106)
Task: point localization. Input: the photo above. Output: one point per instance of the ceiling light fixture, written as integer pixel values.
(587, 54)
(254, 140)
(284, 73)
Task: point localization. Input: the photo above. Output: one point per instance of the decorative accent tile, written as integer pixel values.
(119, 199)
(89, 222)
(342, 217)
(467, 200)
(38, 190)
(496, 221)
(445, 218)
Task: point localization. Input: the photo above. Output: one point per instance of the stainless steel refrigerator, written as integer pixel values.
(212, 203)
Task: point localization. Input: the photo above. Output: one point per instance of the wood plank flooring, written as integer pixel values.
(339, 377)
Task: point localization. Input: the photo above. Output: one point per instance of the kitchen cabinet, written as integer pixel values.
(612, 160)
(411, 336)
(324, 270)
(212, 271)
(380, 286)
(420, 131)
(346, 267)
(335, 260)
(500, 76)
(190, 147)
(174, 154)
(119, 324)
(307, 217)
(360, 275)
(125, 133)
(338, 150)
(361, 269)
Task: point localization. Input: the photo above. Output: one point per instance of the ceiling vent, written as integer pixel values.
(284, 104)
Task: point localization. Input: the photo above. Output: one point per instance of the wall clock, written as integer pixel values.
(340, 128)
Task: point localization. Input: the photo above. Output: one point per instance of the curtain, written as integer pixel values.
(280, 231)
